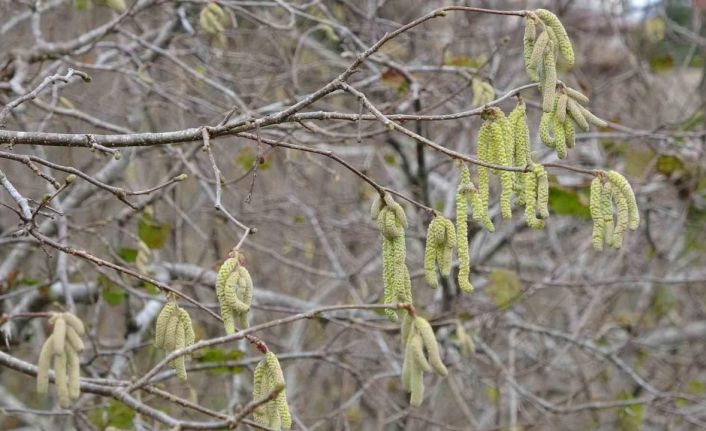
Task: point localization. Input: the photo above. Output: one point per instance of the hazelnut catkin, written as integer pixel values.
(63, 347)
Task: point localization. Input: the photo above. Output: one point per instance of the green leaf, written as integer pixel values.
(630, 418)
(82, 4)
(116, 415)
(152, 232)
(566, 201)
(503, 287)
(110, 293)
(637, 161)
(662, 63)
(663, 301)
(668, 165)
(128, 254)
(151, 288)
(221, 355)
(246, 159)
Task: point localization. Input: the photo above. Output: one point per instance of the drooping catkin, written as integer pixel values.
(213, 19)
(142, 259)
(480, 205)
(548, 81)
(268, 378)
(542, 191)
(174, 331)
(559, 136)
(530, 198)
(539, 50)
(562, 37)
(63, 347)
(391, 221)
(466, 344)
(577, 114)
(465, 188)
(596, 209)
(607, 206)
(577, 95)
(545, 127)
(419, 336)
(529, 41)
(234, 290)
(561, 107)
(626, 190)
(570, 133)
(441, 240)
(43, 365)
(483, 92)
(74, 368)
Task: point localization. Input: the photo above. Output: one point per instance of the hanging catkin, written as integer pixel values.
(392, 221)
(463, 197)
(234, 290)
(529, 40)
(441, 240)
(613, 209)
(268, 378)
(63, 347)
(418, 335)
(562, 38)
(483, 92)
(174, 331)
(480, 206)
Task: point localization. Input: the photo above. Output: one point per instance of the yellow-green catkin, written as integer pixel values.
(174, 331)
(562, 37)
(507, 178)
(570, 133)
(545, 127)
(463, 196)
(542, 191)
(213, 19)
(530, 198)
(441, 240)
(392, 221)
(548, 81)
(559, 136)
(529, 40)
(596, 209)
(480, 205)
(234, 290)
(483, 92)
(268, 378)
(577, 95)
(417, 337)
(521, 140)
(501, 153)
(538, 51)
(625, 189)
(63, 346)
(577, 114)
(607, 209)
(466, 344)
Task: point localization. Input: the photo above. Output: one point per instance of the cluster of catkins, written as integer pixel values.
(213, 19)
(392, 222)
(418, 335)
(63, 345)
(234, 290)
(268, 379)
(483, 91)
(505, 141)
(174, 331)
(557, 128)
(610, 188)
(562, 109)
